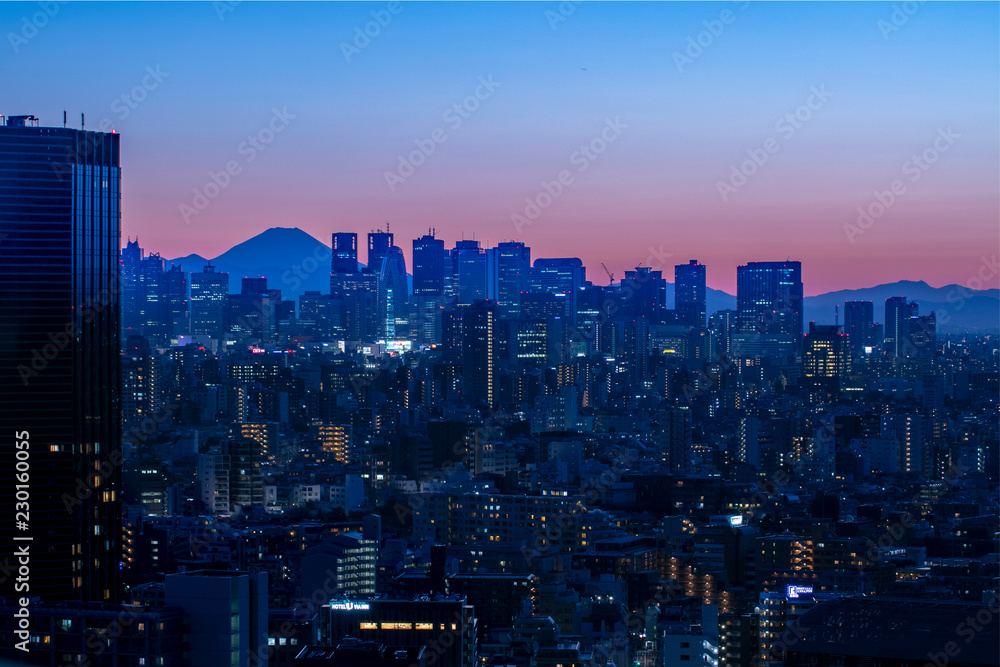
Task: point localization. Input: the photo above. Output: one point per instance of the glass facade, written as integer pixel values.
(769, 299)
(60, 356)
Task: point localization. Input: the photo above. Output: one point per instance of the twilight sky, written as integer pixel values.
(668, 122)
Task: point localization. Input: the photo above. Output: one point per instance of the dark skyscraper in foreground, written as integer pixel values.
(689, 293)
(60, 356)
(769, 299)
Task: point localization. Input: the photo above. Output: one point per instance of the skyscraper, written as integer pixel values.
(922, 339)
(479, 352)
(130, 269)
(353, 293)
(644, 292)
(769, 299)
(897, 324)
(826, 355)
(345, 253)
(468, 273)
(393, 297)
(60, 357)
(429, 266)
(152, 299)
(378, 247)
(559, 275)
(250, 314)
(208, 302)
(859, 325)
(508, 266)
(689, 293)
(175, 301)
(671, 435)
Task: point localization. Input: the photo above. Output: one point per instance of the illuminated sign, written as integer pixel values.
(736, 520)
(349, 605)
(798, 592)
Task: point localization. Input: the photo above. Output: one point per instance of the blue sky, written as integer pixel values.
(558, 83)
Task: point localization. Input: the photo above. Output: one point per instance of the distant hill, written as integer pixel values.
(294, 262)
(956, 307)
(290, 259)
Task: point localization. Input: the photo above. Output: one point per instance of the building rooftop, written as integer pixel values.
(900, 629)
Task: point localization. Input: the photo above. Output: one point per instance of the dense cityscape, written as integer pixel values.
(500, 334)
(504, 463)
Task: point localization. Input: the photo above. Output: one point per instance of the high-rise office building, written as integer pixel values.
(859, 325)
(378, 247)
(769, 299)
(508, 266)
(142, 381)
(429, 266)
(131, 266)
(559, 275)
(250, 314)
(468, 273)
(345, 253)
(897, 324)
(209, 290)
(226, 616)
(644, 293)
(480, 352)
(671, 435)
(152, 300)
(689, 293)
(354, 293)
(355, 297)
(317, 316)
(723, 326)
(60, 360)
(393, 296)
(175, 301)
(922, 336)
(826, 354)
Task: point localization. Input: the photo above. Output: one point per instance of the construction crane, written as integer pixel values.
(611, 276)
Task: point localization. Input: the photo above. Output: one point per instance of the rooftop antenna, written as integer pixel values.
(64, 119)
(83, 124)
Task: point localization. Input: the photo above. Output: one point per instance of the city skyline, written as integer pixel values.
(500, 334)
(872, 91)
